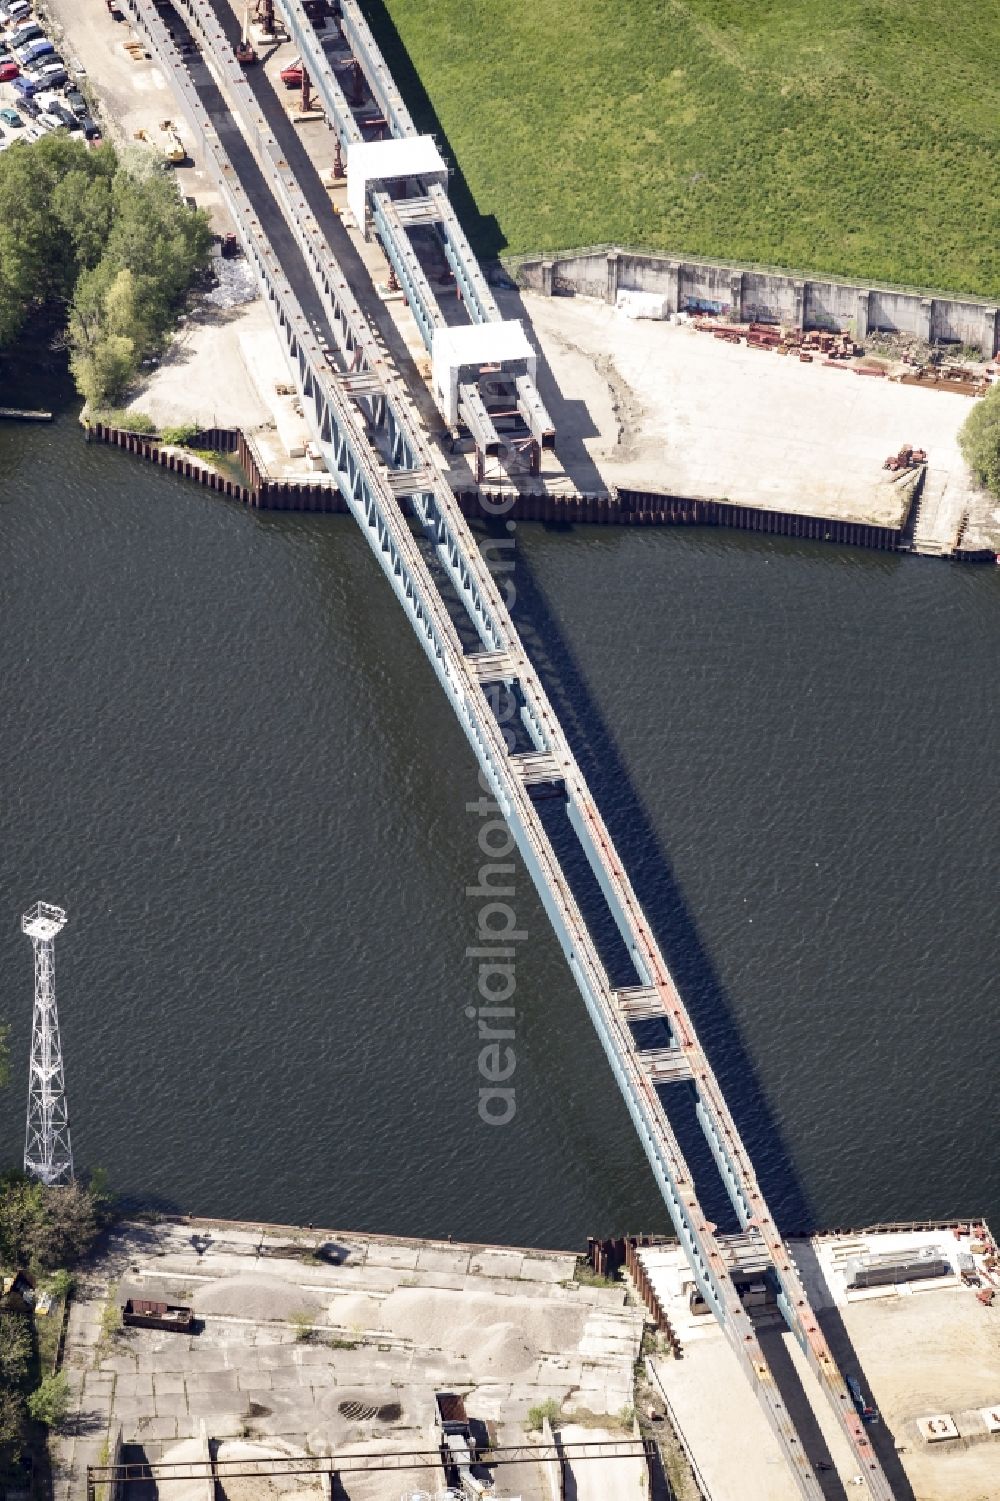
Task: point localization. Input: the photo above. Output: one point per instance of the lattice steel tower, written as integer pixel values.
(48, 1155)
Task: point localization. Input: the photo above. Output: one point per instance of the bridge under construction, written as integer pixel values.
(364, 424)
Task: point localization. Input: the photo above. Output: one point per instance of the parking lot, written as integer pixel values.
(42, 90)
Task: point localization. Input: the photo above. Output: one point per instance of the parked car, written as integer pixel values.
(11, 117)
(25, 34)
(63, 114)
(48, 74)
(32, 51)
(49, 120)
(8, 71)
(16, 10)
(75, 99)
(30, 107)
(25, 85)
(90, 128)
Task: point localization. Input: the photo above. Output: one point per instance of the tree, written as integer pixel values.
(110, 239)
(44, 1228)
(49, 1402)
(104, 372)
(979, 440)
(11, 1423)
(15, 1350)
(45, 199)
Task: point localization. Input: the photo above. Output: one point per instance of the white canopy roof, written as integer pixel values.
(382, 161)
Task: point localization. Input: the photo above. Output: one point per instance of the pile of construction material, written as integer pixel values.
(964, 380)
(908, 457)
(831, 348)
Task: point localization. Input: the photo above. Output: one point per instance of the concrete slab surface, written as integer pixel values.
(503, 1337)
(653, 405)
(920, 1349)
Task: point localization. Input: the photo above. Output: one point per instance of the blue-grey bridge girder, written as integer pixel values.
(322, 76)
(434, 207)
(427, 315)
(360, 472)
(362, 44)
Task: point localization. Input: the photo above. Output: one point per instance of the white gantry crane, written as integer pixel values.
(48, 1155)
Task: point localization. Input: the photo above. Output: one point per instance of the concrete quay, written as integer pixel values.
(313, 1342)
(927, 1354)
(660, 407)
(638, 406)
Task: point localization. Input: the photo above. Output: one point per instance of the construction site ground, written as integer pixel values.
(637, 404)
(313, 1342)
(920, 1350)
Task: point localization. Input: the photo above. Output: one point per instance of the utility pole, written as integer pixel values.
(48, 1155)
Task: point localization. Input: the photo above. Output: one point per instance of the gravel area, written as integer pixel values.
(257, 1297)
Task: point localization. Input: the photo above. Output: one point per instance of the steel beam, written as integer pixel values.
(316, 63)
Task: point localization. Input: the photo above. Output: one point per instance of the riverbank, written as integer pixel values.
(329, 1347)
(701, 431)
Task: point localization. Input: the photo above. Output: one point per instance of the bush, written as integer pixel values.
(302, 1322)
(129, 422)
(111, 1316)
(49, 1402)
(61, 1283)
(979, 440)
(12, 1416)
(548, 1409)
(180, 436)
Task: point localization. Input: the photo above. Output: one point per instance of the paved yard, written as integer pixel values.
(322, 1343)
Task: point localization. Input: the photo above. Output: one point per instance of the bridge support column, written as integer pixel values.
(736, 295)
(548, 277)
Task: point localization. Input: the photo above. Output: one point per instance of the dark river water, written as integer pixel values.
(225, 754)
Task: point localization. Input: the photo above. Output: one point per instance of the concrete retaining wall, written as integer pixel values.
(751, 294)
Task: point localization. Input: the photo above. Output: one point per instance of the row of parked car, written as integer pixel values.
(45, 98)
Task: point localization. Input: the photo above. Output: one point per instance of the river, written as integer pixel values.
(225, 754)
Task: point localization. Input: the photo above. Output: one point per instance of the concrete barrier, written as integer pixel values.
(763, 294)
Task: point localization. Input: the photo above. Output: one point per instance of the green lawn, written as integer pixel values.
(859, 137)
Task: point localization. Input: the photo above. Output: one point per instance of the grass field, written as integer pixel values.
(859, 137)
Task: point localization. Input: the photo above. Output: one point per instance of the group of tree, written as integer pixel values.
(105, 238)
